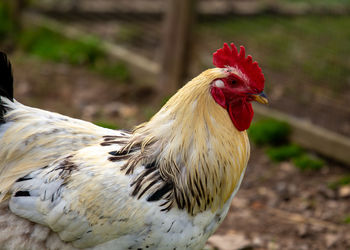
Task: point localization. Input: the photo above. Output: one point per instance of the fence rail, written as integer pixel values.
(170, 62)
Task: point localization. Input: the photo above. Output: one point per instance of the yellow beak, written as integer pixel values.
(261, 97)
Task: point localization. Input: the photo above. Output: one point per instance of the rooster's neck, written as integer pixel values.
(196, 146)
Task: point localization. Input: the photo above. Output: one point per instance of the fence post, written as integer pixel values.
(176, 40)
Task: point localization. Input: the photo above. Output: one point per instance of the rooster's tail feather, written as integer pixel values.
(6, 83)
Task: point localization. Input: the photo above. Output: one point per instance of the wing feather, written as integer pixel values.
(33, 138)
(83, 197)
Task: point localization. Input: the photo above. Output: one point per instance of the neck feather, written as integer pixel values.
(196, 146)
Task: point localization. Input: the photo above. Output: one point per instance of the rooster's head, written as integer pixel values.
(243, 83)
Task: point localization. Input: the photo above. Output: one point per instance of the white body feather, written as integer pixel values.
(89, 203)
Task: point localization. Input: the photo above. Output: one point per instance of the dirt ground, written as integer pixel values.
(277, 207)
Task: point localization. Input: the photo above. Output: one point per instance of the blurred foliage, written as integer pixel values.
(6, 26)
(307, 162)
(347, 219)
(106, 124)
(269, 132)
(88, 51)
(165, 100)
(116, 70)
(345, 180)
(313, 49)
(275, 134)
(50, 45)
(149, 112)
(284, 152)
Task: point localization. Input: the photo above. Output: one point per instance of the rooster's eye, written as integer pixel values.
(233, 82)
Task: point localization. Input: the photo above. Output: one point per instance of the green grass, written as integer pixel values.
(6, 26)
(269, 132)
(149, 112)
(274, 134)
(284, 152)
(345, 180)
(107, 124)
(50, 45)
(301, 160)
(307, 162)
(347, 219)
(165, 100)
(312, 49)
(115, 70)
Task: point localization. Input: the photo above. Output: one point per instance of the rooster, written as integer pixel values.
(168, 184)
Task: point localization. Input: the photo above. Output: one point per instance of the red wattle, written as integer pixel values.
(241, 114)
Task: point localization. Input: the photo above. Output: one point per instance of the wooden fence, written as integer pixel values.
(174, 63)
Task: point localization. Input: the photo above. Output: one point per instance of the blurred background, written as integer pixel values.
(116, 62)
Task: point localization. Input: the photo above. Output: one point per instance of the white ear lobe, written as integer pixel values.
(219, 84)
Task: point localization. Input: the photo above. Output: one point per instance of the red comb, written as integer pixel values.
(230, 57)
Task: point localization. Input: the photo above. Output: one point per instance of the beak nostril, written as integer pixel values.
(261, 97)
(262, 94)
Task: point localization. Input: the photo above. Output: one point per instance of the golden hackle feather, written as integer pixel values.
(198, 147)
